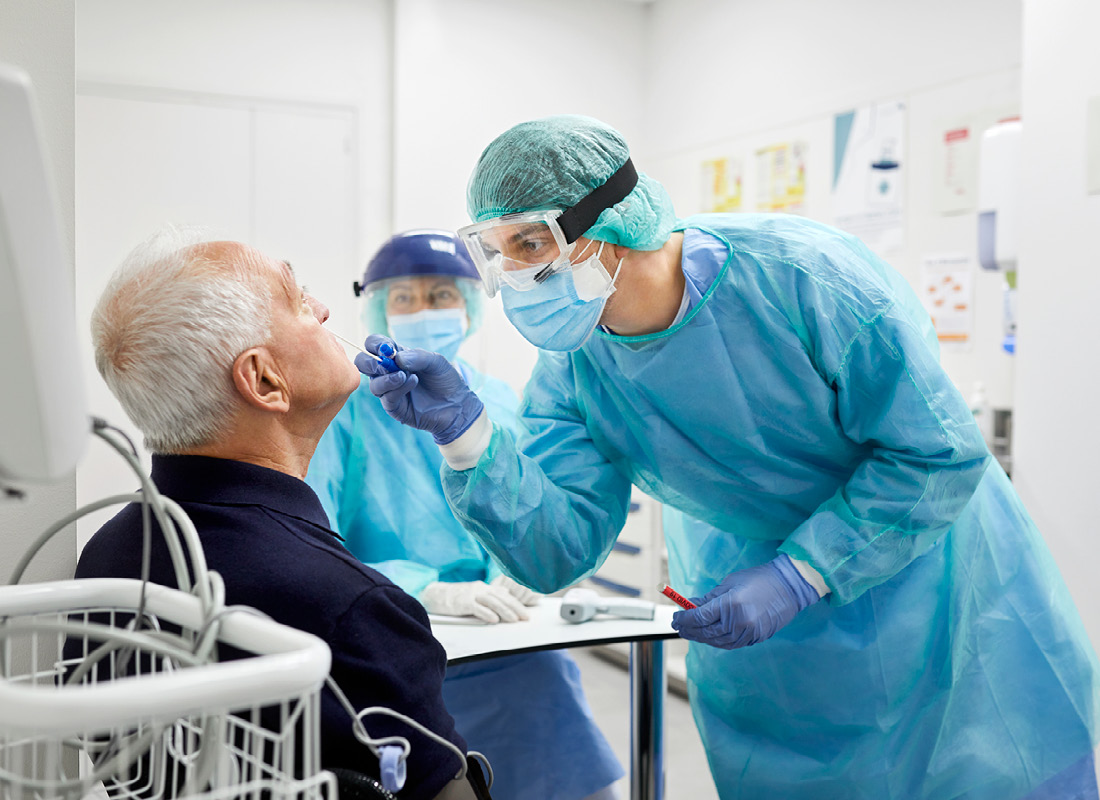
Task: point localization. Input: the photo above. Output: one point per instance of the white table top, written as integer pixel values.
(468, 640)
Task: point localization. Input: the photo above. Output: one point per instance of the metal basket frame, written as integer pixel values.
(137, 713)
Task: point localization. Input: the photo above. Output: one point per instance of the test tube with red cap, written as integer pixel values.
(675, 596)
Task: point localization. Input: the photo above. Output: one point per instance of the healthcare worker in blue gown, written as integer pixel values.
(878, 615)
(379, 483)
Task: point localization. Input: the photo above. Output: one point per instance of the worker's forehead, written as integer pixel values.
(422, 281)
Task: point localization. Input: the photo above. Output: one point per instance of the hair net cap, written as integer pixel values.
(556, 161)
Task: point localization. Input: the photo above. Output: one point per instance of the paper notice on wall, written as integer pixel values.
(956, 156)
(947, 291)
(956, 176)
(721, 184)
(868, 169)
(781, 177)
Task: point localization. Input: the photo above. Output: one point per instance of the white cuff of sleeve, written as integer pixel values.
(812, 576)
(465, 451)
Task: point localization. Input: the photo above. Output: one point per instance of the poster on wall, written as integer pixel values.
(955, 165)
(868, 174)
(947, 291)
(781, 177)
(721, 183)
(957, 185)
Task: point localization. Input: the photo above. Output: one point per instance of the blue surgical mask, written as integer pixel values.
(441, 330)
(561, 312)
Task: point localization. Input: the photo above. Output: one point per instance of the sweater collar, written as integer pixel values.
(221, 481)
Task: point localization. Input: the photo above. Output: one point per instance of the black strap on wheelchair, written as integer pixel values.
(476, 778)
(354, 785)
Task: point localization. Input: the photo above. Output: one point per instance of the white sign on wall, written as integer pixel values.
(947, 291)
(868, 171)
(957, 174)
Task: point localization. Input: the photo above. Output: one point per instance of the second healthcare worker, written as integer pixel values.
(776, 381)
(379, 483)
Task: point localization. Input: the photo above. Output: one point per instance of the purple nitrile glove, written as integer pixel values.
(749, 606)
(426, 392)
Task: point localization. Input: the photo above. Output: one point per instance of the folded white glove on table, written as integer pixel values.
(517, 590)
(489, 603)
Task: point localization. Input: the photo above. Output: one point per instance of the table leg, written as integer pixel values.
(647, 720)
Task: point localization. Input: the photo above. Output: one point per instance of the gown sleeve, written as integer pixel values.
(548, 505)
(925, 457)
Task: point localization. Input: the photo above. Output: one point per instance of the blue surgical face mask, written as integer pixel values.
(441, 330)
(561, 312)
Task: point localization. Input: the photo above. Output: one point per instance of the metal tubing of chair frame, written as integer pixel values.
(647, 713)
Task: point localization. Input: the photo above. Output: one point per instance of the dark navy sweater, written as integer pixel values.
(267, 535)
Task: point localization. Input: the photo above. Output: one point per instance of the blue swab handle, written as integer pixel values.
(387, 363)
(387, 351)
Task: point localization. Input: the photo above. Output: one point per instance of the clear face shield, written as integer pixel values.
(523, 249)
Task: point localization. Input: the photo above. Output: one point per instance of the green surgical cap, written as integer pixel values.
(556, 161)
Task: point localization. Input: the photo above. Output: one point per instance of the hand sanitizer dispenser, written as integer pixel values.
(999, 195)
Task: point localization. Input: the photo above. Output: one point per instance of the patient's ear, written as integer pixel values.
(259, 382)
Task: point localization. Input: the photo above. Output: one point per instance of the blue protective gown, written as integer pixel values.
(379, 483)
(800, 407)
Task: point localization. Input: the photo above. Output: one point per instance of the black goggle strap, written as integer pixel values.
(582, 216)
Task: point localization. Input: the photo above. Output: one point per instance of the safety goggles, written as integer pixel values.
(521, 250)
(524, 249)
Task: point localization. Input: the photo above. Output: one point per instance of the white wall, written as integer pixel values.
(1058, 382)
(464, 72)
(305, 52)
(231, 84)
(722, 66)
(263, 121)
(168, 94)
(37, 36)
(757, 74)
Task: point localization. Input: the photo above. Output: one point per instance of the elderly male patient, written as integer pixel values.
(220, 359)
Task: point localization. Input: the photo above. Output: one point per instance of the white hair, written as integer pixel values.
(167, 330)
